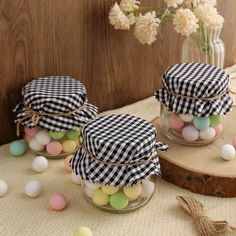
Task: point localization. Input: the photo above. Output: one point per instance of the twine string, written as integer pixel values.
(205, 226)
(116, 163)
(35, 116)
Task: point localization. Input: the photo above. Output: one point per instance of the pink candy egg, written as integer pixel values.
(57, 201)
(175, 122)
(27, 138)
(218, 129)
(31, 132)
(190, 133)
(234, 141)
(54, 148)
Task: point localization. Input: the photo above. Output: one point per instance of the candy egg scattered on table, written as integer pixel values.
(109, 162)
(83, 231)
(189, 98)
(52, 113)
(40, 164)
(227, 152)
(67, 165)
(17, 148)
(57, 201)
(76, 179)
(3, 188)
(33, 188)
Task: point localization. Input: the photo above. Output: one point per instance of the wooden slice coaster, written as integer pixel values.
(200, 169)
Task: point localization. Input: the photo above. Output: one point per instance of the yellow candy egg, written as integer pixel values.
(108, 189)
(133, 192)
(100, 198)
(83, 231)
(69, 146)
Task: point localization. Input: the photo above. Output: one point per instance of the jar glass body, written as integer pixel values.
(52, 144)
(190, 130)
(119, 199)
(204, 46)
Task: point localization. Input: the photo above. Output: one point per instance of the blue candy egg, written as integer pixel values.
(17, 148)
(201, 122)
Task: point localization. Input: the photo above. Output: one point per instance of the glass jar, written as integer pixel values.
(52, 144)
(188, 129)
(204, 46)
(119, 199)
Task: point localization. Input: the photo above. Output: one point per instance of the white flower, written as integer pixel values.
(185, 22)
(129, 5)
(209, 16)
(118, 19)
(195, 3)
(173, 3)
(146, 27)
(132, 18)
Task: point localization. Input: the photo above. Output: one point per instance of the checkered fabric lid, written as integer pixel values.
(197, 89)
(60, 103)
(118, 150)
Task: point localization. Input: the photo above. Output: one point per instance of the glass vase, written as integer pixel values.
(204, 46)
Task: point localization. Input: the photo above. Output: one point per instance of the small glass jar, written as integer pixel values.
(52, 144)
(188, 129)
(119, 199)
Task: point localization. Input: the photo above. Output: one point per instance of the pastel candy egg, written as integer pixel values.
(83, 231)
(148, 188)
(133, 191)
(186, 118)
(108, 189)
(27, 138)
(42, 137)
(175, 122)
(100, 198)
(201, 122)
(3, 188)
(17, 148)
(56, 134)
(234, 141)
(40, 164)
(227, 152)
(92, 186)
(190, 133)
(33, 188)
(54, 148)
(208, 133)
(76, 179)
(67, 165)
(218, 129)
(80, 140)
(72, 134)
(89, 192)
(119, 200)
(69, 146)
(57, 201)
(31, 132)
(35, 146)
(214, 120)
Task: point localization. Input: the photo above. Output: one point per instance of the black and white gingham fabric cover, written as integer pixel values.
(198, 81)
(56, 94)
(117, 139)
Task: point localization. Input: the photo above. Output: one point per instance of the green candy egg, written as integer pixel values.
(201, 122)
(56, 134)
(119, 200)
(214, 120)
(72, 134)
(17, 148)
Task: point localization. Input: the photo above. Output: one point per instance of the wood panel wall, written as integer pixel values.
(73, 37)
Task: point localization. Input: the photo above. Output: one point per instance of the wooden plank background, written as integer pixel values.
(73, 37)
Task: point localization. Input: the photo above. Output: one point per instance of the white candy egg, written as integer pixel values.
(3, 188)
(208, 133)
(89, 192)
(35, 146)
(33, 188)
(148, 188)
(40, 164)
(42, 137)
(76, 178)
(186, 118)
(92, 186)
(227, 152)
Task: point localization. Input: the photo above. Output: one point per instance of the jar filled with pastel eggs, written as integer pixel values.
(195, 100)
(51, 116)
(118, 162)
